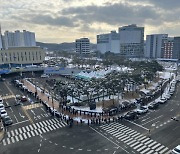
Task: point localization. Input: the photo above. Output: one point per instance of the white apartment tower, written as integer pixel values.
(131, 41)
(19, 39)
(155, 45)
(83, 46)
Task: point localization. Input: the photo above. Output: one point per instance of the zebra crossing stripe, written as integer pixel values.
(36, 132)
(24, 130)
(17, 139)
(156, 146)
(137, 146)
(29, 135)
(43, 129)
(8, 141)
(122, 137)
(51, 121)
(39, 131)
(138, 136)
(4, 142)
(56, 120)
(12, 133)
(131, 142)
(148, 142)
(48, 122)
(145, 140)
(120, 134)
(32, 133)
(142, 138)
(150, 152)
(135, 135)
(134, 144)
(24, 135)
(44, 123)
(16, 131)
(30, 126)
(130, 132)
(162, 151)
(134, 132)
(34, 126)
(63, 123)
(150, 145)
(160, 148)
(59, 125)
(141, 148)
(20, 136)
(8, 134)
(37, 125)
(46, 129)
(128, 140)
(147, 149)
(125, 138)
(50, 127)
(56, 125)
(27, 128)
(12, 139)
(53, 127)
(40, 123)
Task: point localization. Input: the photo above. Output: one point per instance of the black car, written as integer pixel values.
(131, 115)
(153, 105)
(7, 121)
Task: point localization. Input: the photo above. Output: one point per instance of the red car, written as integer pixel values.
(23, 98)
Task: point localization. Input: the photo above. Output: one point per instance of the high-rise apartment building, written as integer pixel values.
(19, 39)
(176, 48)
(155, 45)
(131, 41)
(108, 42)
(168, 48)
(83, 46)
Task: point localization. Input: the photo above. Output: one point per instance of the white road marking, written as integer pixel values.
(16, 119)
(137, 124)
(152, 120)
(19, 122)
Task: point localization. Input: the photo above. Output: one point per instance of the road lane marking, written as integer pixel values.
(152, 120)
(16, 118)
(27, 115)
(137, 125)
(109, 140)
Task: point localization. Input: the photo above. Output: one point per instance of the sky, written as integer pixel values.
(57, 21)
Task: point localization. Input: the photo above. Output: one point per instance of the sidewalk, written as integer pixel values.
(44, 97)
(2, 132)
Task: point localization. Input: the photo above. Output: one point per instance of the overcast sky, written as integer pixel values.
(60, 21)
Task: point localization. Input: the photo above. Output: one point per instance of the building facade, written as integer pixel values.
(155, 45)
(22, 55)
(108, 42)
(176, 48)
(18, 39)
(131, 41)
(168, 48)
(83, 46)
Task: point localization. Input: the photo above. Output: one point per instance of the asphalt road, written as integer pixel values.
(34, 130)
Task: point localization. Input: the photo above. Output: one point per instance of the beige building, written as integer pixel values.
(22, 55)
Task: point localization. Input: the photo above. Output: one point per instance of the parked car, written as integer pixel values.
(1, 100)
(7, 121)
(23, 99)
(162, 100)
(153, 105)
(141, 110)
(3, 113)
(131, 115)
(1, 107)
(176, 150)
(44, 76)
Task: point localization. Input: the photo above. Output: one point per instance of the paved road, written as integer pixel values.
(35, 131)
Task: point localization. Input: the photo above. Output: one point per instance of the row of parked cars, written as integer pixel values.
(3, 114)
(131, 115)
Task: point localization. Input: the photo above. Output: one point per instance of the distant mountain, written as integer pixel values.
(62, 46)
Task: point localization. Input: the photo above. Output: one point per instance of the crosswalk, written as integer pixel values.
(139, 142)
(32, 130)
(28, 107)
(8, 97)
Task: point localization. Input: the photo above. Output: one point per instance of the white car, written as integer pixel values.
(176, 150)
(162, 100)
(141, 110)
(44, 76)
(3, 113)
